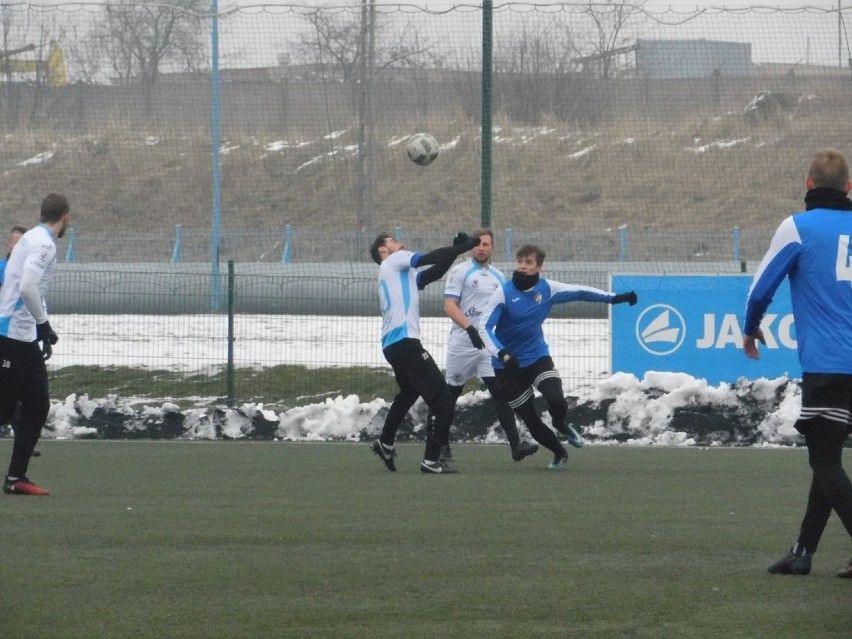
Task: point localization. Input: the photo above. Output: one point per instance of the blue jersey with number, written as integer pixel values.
(813, 250)
(399, 298)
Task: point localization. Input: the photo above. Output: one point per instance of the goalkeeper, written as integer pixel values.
(511, 330)
(416, 373)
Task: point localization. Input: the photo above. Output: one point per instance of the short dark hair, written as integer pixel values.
(53, 207)
(481, 232)
(829, 169)
(531, 249)
(18, 228)
(380, 240)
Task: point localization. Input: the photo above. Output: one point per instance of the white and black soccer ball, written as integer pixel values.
(422, 148)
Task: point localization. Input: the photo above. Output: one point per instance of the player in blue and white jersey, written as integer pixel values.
(511, 329)
(468, 288)
(416, 373)
(812, 249)
(24, 326)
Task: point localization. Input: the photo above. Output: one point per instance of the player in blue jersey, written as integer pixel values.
(468, 288)
(416, 373)
(511, 328)
(14, 235)
(27, 339)
(812, 249)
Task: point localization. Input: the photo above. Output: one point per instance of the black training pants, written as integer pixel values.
(23, 380)
(417, 375)
(516, 386)
(826, 406)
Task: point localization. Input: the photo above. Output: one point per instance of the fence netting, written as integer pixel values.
(276, 134)
(679, 126)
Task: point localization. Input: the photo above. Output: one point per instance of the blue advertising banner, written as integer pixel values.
(693, 324)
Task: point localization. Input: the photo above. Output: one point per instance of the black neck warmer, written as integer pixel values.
(524, 282)
(825, 198)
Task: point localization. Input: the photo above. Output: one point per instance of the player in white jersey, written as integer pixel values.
(15, 235)
(24, 326)
(468, 288)
(812, 249)
(511, 329)
(415, 371)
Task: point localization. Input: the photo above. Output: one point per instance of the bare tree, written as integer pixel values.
(355, 47)
(530, 64)
(85, 55)
(139, 39)
(24, 33)
(334, 44)
(610, 20)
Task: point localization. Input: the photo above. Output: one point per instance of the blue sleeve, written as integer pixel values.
(563, 293)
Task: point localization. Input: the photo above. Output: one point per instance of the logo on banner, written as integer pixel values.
(660, 329)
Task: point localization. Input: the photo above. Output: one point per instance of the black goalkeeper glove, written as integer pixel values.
(475, 339)
(509, 360)
(630, 298)
(463, 238)
(44, 333)
(48, 337)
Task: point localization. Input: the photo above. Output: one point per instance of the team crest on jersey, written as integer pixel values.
(538, 298)
(475, 284)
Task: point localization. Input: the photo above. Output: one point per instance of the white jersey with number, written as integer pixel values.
(472, 285)
(399, 298)
(35, 251)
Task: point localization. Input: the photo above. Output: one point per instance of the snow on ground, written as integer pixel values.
(663, 408)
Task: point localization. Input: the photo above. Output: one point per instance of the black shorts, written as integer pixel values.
(23, 379)
(516, 385)
(826, 395)
(415, 370)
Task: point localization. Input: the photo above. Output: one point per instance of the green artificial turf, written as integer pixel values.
(240, 539)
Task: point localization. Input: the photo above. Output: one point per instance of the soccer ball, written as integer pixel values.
(422, 148)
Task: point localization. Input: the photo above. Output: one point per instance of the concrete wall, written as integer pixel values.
(344, 289)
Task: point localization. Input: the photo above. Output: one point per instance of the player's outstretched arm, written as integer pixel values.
(442, 259)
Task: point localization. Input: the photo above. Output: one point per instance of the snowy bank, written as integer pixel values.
(661, 409)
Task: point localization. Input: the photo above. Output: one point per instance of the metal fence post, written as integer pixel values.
(622, 236)
(288, 237)
(487, 108)
(215, 116)
(229, 376)
(398, 233)
(178, 243)
(69, 255)
(508, 245)
(736, 243)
